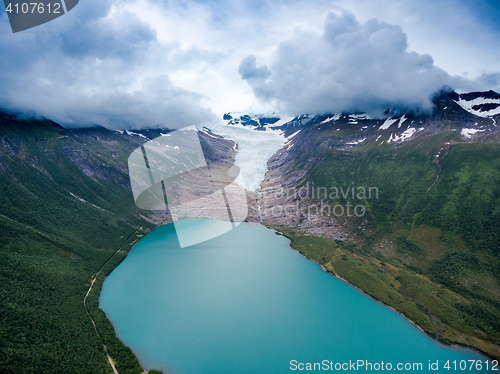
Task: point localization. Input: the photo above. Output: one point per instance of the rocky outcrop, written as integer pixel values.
(281, 202)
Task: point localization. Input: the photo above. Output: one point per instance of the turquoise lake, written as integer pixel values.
(244, 302)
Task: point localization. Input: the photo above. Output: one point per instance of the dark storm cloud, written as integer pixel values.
(349, 67)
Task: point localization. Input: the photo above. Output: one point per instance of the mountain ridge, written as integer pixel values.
(65, 208)
(446, 102)
(428, 246)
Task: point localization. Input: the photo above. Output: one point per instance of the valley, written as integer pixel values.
(426, 245)
(67, 213)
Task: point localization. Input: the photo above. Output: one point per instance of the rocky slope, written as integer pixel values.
(288, 168)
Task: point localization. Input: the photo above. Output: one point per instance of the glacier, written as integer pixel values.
(255, 149)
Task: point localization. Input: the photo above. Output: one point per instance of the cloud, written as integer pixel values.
(98, 63)
(348, 67)
(249, 71)
(122, 35)
(101, 68)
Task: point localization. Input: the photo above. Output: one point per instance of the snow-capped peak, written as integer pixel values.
(258, 120)
(481, 104)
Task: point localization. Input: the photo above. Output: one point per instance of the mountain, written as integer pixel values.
(67, 213)
(259, 122)
(482, 104)
(427, 243)
(428, 240)
(466, 109)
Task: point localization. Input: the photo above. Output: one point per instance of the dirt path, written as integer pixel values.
(88, 292)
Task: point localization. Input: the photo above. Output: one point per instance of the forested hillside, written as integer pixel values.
(429, 242)
(65, 208)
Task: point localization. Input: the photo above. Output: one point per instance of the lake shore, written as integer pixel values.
(336, 276)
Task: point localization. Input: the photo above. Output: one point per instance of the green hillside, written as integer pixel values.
(432, 254)
(64, 210)
(427, 246)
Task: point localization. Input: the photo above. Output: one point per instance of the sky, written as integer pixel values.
(146, 63)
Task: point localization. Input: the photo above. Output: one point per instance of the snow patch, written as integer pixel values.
(326, 120)
(408, 133)
(336, 117)
(388, 123)
(207, 132)
(405, 135)
(469, 106)
(291, 136)
(282, 121)
(356, 141)
(401, 120)
(360, 116)
(134, 133)
(469, 132)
